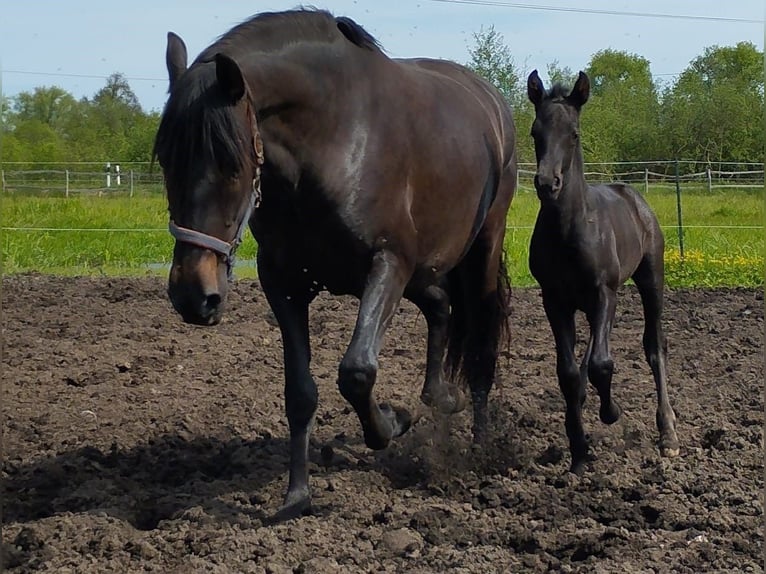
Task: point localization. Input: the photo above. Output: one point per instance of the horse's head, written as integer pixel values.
(210, 152)
(555, 131)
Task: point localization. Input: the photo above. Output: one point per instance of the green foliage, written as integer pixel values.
(50, 125)
(709, 112)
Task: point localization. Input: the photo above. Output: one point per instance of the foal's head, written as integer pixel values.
(556, 132)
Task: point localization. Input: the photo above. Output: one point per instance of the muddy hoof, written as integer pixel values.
(447, 402)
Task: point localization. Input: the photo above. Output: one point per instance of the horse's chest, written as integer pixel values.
(313, 248)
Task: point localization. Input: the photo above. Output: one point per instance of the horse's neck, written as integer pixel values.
(570, 210)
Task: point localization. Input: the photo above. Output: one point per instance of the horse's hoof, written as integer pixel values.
(670, 448)
(295, 506)
(610, 414)
(395, 422)
(670, 452)
(400, 419)
(447, 402)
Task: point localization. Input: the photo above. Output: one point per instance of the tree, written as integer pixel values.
(622, 121)
(47, 105)
(713, 111)
(491, 59)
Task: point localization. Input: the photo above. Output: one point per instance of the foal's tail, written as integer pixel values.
(479, 324)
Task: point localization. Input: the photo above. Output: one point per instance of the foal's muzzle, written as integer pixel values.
(548, 186)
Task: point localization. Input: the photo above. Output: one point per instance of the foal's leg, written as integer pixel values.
(301, 395)
(601, 366)
(572, 385)
(434, 303)
(649, 280)
(359, 367)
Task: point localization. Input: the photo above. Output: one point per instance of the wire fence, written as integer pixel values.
(126, 178)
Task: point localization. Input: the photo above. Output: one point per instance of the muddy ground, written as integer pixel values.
(136, 443)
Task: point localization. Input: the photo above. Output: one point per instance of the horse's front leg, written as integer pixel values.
(601, 365)
(301, 397)
(572, 385)
(359, 367)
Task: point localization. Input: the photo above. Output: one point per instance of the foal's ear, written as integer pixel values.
(175, 58)
(535, 88)
(229, 76)
(580, 91)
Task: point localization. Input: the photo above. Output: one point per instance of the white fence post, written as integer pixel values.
(131, 183)
(646, 180)
(2, 176)
(66, 188)
(709, 180)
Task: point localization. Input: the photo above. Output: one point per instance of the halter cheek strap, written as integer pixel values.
(225, 248)
(228, 248)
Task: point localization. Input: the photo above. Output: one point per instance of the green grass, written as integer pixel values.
(85, 235)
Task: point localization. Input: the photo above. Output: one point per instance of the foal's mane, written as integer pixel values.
(557, 93)
(198, 124)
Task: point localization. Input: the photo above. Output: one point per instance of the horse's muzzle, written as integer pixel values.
(204, 309)
(548, 187)
(198, 296)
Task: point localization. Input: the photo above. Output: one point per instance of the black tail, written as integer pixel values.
(467, 348)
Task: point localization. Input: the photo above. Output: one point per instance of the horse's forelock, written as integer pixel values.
(199, 127)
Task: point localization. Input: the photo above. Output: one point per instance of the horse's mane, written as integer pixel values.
(198, 124)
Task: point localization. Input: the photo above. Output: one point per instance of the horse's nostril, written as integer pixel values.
(556, 182)
(212, 301)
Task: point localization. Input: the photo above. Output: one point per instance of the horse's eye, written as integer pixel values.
(575, 134)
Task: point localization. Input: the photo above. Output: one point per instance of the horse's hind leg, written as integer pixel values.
(484, 312)
(571, 383)
(359, 367)
(301, 395)
(649, 279)
(434, 303)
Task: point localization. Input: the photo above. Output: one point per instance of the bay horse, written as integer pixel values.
(587, 241)
(357, 174)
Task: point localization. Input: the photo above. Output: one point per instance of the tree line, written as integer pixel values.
(712, 112)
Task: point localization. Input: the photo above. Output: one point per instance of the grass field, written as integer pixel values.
(118, 235)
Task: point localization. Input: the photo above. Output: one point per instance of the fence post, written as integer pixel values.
(131, 183)
(678, 209)
(709, 180)
(2, 176)
(66, 187)
(646, 180)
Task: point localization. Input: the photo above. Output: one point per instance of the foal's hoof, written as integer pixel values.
(609, 414)
(670, 452)
(296, 505)
(669, 448)
(448, 402)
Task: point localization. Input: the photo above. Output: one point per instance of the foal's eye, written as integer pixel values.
(575, 135)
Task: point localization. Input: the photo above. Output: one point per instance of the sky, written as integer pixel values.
(77, 44)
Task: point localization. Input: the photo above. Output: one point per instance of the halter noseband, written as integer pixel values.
(228, 248)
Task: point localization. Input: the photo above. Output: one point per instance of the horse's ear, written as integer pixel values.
(230, 77)
(175, 58)
(535, 88)
(580, 91)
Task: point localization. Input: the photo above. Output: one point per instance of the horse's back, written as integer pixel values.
(479, 96)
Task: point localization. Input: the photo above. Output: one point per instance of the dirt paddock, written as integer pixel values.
(136, 443)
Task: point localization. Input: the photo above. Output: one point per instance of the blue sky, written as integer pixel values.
(76, 44)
